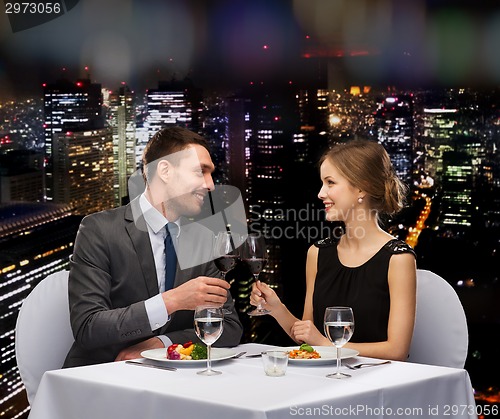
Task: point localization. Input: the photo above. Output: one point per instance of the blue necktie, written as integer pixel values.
(170, 255)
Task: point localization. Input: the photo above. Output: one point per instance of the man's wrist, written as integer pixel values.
(169, 301)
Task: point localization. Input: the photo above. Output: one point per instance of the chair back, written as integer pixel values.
(43, 331)
(440, 336)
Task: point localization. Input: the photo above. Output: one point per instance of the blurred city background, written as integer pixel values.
(271, 85)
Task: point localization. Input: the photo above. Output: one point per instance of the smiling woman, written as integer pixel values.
(366, 268)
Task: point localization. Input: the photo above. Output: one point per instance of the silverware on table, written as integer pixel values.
(143, 364)
(239, 355)
(253, 355)
(367, 364)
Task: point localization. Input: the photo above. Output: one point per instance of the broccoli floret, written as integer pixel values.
(199, 351)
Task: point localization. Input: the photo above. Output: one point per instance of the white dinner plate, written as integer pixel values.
(160, 354)
(328, 355)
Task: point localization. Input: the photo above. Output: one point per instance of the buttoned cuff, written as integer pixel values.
(166, 341)
(156, 311)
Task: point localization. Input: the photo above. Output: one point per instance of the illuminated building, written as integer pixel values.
(173, 103)
(439, 128)
(259, 132)
(123, 124)
(69, 106)
(312, 138)
(394, 130)
(266, 192)
(237, 134)
(237, 155)
(35, 241)
(214, 130)
(457, 189)
(21, 176)
(21, 186)
(83, 170)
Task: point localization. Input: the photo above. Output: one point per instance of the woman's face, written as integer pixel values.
(338, 195)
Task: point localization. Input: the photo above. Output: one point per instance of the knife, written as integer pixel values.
(143, 364)
(252, 355)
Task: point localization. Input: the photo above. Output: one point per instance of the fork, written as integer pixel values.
(368, 364)
(239, 355)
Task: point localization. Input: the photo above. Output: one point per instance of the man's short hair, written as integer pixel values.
(165, 142)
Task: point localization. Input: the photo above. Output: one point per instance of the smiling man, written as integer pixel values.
(127, 291)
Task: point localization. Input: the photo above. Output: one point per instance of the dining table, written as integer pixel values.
(243, 390)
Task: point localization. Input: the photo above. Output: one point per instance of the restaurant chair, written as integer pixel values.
(43, 331)
(440, 336)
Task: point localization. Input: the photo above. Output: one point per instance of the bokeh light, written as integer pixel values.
(490, 48)
(108, 55)
(451, 42)
(252, 43)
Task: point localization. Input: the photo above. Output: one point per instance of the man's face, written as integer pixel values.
(188, 182)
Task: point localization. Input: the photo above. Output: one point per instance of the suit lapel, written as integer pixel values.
(137, 230)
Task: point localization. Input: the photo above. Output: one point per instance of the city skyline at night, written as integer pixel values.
(443, 147)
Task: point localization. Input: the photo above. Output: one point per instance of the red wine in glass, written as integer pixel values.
(254, 254)
(226, 254)
(225, 263)
(256, 265)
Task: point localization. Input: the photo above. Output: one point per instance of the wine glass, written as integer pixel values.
(339, 327)
(226, 254)
(208, 325)
(254, 254)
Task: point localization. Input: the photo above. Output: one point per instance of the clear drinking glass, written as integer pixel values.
(339, 327)
(275, 362)
(208, 325)
(254, 254)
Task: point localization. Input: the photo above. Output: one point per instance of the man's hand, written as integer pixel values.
(196, 292)
(134, 352)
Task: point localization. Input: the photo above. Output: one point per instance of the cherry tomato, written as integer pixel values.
(172, 347)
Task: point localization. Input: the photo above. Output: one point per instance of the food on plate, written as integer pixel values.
(199, 351)
(304, 352)
(186, 351)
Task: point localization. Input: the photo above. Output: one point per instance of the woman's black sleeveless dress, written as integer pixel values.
(364, 288)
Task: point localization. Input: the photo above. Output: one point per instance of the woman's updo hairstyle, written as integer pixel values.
(367, 166)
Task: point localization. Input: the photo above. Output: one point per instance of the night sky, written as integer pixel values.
(230, 42)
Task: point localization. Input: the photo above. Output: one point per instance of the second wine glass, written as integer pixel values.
(225, 252)
(254, 254)
(339, 327)
(208, 325)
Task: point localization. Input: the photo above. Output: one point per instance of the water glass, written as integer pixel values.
(275, 363)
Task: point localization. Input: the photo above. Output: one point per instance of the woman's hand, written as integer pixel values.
(263, 294)
(304, 331)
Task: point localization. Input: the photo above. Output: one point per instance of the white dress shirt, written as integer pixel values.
(155, 307)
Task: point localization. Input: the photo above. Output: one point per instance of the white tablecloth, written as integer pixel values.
(243, 391)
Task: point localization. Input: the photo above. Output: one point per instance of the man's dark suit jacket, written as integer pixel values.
(112, 273)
